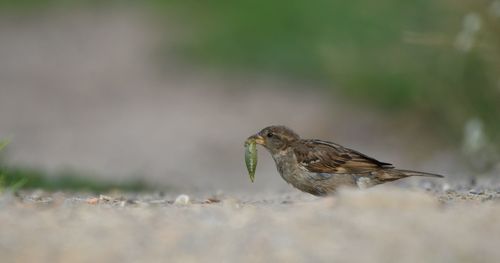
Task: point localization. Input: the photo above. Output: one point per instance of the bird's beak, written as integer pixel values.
(257, 139)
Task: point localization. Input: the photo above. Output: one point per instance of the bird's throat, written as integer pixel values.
(286, 162)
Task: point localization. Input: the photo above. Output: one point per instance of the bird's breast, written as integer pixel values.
(287, 165)
(290, 171)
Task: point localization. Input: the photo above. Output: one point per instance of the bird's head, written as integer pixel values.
(275, 138)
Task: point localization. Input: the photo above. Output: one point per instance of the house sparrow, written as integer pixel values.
(320, 167)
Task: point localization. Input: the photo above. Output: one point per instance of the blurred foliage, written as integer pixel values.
(4, 182)
(413, 56)
(65, 181)
(15, 178)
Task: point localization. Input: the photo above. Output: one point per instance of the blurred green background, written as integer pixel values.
(439, 59)
(436, 61)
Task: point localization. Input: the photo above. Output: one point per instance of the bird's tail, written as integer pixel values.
(417, 173)
(388, 175)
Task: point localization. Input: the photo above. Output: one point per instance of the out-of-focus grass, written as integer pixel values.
(65, 181)
(4, 182)
(15, 178)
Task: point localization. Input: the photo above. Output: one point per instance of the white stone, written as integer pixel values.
(182, 200)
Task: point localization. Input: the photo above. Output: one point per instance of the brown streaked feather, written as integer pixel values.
(326, 157)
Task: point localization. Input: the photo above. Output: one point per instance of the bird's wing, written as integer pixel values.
(326, 157)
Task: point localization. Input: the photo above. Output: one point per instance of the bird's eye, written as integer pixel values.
(269, 135)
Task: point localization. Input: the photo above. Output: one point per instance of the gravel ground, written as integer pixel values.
(428, 222)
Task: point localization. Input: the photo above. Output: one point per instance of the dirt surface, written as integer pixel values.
(383, 224)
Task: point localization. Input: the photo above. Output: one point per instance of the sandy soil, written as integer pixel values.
(383, 224)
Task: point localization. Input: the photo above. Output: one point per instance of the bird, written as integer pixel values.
(320, 167)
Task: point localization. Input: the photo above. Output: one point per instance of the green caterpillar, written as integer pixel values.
(251, 158)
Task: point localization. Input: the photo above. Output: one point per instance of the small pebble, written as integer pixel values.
(211, 200)
(105, 198)
(92, 201)
(37, 195)
(182, 200)
(476, 192)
